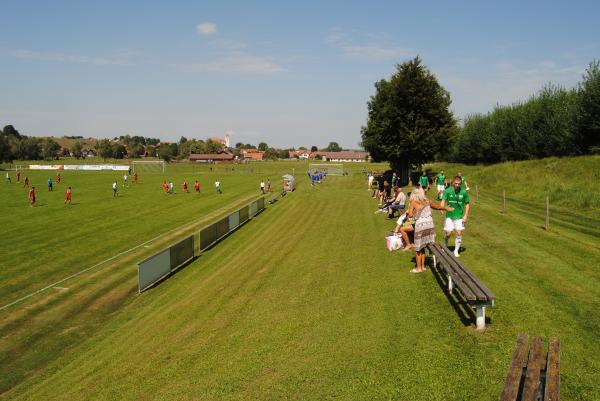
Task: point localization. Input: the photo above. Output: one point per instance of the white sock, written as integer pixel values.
(457, 243)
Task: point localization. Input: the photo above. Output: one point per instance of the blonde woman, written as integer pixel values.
(420, 210)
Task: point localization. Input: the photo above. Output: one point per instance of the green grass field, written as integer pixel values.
(304, 302)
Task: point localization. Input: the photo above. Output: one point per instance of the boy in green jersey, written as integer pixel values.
(440, 180)
(424, 181)
(457, 198)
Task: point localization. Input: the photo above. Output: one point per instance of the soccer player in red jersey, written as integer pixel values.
(26, 182)
(184, 186)
(197, 186)
(18, 176)
(68, 196)
(135, 177)
(31, 196)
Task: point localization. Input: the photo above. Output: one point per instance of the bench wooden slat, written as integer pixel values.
(552, 390)
(458, 279)
(532, 379)
(480, 289)
(515, 371)
(454, 271)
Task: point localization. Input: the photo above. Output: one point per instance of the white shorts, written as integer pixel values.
(441, 187)
(451, 225)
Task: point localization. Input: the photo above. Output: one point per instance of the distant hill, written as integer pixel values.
(69, 142)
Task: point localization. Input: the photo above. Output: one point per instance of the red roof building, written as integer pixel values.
(253, 154)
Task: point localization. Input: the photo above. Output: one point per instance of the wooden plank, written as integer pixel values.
(515, 370)
(468, 277)
(534, 364)
(477, 287)
(457, 278)
(552, 390)
(482, 287)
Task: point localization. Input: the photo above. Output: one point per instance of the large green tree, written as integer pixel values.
(409, 119)
(333, 147)
(105, 149)
(589, 107)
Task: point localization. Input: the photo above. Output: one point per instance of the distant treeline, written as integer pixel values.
(554, 122)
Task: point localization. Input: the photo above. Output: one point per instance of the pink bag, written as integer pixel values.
(394, 242)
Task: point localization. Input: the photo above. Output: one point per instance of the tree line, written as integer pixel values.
(410, 123)
(15, 146)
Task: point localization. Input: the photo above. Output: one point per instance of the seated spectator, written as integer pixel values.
(396, 203)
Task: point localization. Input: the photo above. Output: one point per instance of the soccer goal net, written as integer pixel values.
(329, 168)
(148, 166)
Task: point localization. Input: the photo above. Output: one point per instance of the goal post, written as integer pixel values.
(327, 168)
(148, 166)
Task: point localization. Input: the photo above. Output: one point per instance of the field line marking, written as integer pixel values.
(101, 263)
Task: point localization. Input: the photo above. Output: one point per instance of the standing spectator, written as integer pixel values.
(115, 188)
(424, 182)
(395, 180)
(440, 180)
(197, 186)
(49, 184)
(457, 198)
(463, 182)
(32, 196)
(68, 196)
(424, 232)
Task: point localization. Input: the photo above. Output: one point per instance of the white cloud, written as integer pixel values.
(365, 46)
(64, 57)
(206, 28)
(236, 63)
(375, 52)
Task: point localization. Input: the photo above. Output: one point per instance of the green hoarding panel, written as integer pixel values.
(182, 251)
(208, 236)
(222, 227)
(243, 214)
(153, 268)
(234, 220)
(253, 209)
(260, 204)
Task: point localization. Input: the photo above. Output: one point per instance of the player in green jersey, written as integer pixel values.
(440, 180)
(424, 181)
(457, 198)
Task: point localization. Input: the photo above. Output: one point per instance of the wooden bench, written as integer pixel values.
(533, 375)
(475, 293)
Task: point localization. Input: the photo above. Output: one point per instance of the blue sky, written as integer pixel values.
(286, 73)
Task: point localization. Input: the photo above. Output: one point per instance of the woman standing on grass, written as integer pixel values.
(420, 209)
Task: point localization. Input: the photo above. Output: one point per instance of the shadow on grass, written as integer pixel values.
(460, 306)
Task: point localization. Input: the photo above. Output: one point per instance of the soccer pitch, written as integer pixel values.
(304, 302)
